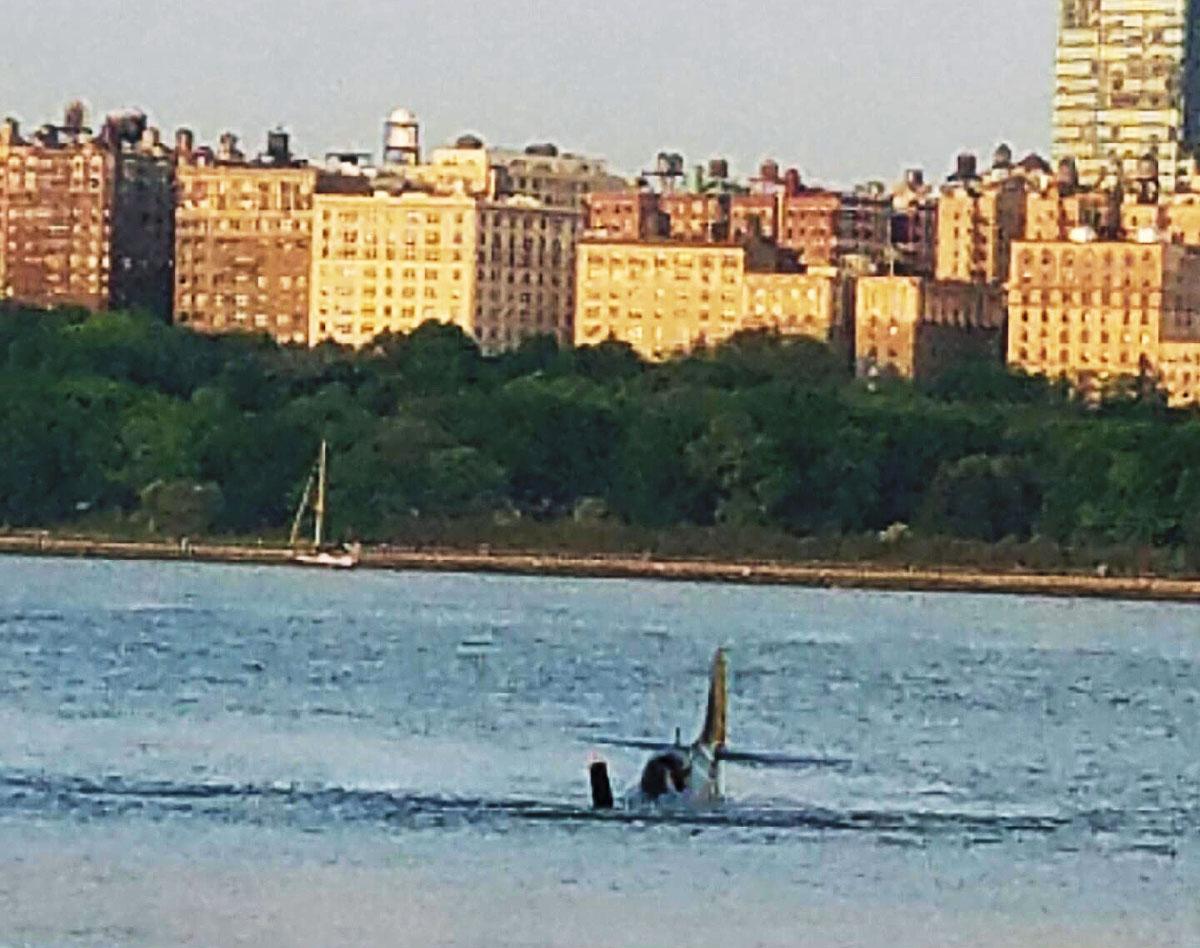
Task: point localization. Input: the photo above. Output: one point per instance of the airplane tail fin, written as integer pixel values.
(713, 732)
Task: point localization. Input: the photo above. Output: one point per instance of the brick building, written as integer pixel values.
(1092, 311)
(85, 220)
(914, 327)
(501, 269)
(243, 239)
(669, 297)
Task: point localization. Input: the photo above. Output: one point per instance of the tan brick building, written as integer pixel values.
(1051, 214)
(913, 327)
(829, 228)
(243, 240)
(557, 180)
(1094, 311)
(465, 167)
(502, 270)
(1175, 218)
(913, 250)
(977, 220)
(86, 220)
(669, 297)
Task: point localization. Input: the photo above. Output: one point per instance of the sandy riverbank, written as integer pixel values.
(834, 575)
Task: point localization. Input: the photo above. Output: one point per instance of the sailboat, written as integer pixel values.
(319, 555)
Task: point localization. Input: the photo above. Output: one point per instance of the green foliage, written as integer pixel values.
(181, 508)
(982, 498)
(766, 439)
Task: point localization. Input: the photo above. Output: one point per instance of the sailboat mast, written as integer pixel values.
(308, 488)
(322, 484)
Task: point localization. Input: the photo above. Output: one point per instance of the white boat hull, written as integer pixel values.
(329, 560)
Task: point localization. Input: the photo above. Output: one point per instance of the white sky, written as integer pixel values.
(845, 89)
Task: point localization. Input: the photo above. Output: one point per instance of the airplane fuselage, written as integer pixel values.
(687, 776)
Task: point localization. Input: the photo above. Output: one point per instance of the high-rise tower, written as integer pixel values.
(1126, 83)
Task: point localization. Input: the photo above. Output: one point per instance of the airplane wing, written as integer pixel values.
(766, 759)
(748, 758)
(635, 742)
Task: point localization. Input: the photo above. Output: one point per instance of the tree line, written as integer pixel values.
(124, 423)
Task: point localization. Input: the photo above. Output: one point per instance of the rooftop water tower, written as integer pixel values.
(401, 139)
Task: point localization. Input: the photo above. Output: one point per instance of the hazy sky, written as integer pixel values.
(845, 89)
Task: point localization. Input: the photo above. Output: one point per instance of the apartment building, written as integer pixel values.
(753, 215)
(914, 217)
(143, 220)
(668, 297)
(464, 167)
(1054, 213)
(1127, 81)
(696, 217)
(913, 327)
(630, 214)
(502, 270)
(85, 220)
(1096, 310)
(979, 216)
(243, 239)
(827, 228)
(558, 180)
(1145, 210)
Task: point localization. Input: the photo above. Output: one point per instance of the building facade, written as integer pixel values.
(86, 220)
(627, 214)
(1091, 312)
(666, 298)
(1127, 82)
(696, 217)
(243, 241)
(501, 270)
(556, 179)
(914, 217)
(832, 229)
(56, 205)
(913, 327)
(978, 218)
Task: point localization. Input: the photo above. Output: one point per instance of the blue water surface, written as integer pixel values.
(201, 754)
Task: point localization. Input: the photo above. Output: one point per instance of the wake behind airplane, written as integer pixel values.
(687, 775)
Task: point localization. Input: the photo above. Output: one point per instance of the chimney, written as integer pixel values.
(791, 182)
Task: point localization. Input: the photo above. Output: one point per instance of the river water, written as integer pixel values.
(218, 755)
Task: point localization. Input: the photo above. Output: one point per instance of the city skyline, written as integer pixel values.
(847, 95)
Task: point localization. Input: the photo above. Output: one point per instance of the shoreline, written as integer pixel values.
(617, 566)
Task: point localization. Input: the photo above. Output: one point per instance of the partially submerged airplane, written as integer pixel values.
(687, 775)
